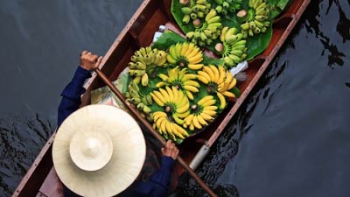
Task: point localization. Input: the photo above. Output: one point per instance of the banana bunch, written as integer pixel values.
(219, 81)
(176, 107)
(185, 55)
(173, 100)
(144, 60)
(167, 127)
(256, 20)
(232, 47)
(207, 31)
(141, 103)
(181, 80)
(202, 114)
(226, 6)
(196, 9)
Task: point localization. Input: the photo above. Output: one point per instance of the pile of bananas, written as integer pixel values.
(207, 31)
(181, 80)
(185, 55)
(142, 103)
(256, 20)
(202, 113)
(225, 6)
(232, 47)
(176, 107)
(143, 61)
(219, 81)
(195, 9)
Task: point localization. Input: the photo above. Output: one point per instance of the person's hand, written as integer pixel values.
(89, 61)
(170, 150)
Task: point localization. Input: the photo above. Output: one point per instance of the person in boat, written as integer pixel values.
(154, 180)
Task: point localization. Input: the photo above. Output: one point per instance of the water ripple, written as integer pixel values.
(29, 132)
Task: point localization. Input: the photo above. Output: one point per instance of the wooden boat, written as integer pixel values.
(41, 179)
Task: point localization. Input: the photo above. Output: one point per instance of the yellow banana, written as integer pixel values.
(184, 49)
(176, 131)
(210, 107)
(144, 79)
(196, 59)
(163, 76)
(189, 95)
(229, 94)
(181, 130)
(222, 75)
(172, 52)
(204, 75)
(210, 72)
(223, 32)
(211, 14)
(170, 93)
(232, 84)
(184, 115)
(191, 88)
(205, 99)
(209, 112)
(170, 59)
(195, 66)
(137, 80)
(157, 100)
(159, 95)
(202, 121)
(161, 84)
(194, 52)
(207, 117)
(203, 79)
(208, 102)
(196, 123)
(162, 124)
(191, 83)
(178, 120)
(176, 93)
(189, 77)
(183, 108)
(216, 73)
(222, 100)
(190, 49)
(178, 49)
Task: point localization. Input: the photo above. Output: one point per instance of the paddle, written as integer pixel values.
(153, 132)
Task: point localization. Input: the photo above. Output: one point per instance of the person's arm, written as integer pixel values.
(71, 95)
(162, 177)
(157, 186)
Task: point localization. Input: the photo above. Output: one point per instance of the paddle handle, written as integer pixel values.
(154, 132)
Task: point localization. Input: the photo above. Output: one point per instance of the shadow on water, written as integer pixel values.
(30, 133)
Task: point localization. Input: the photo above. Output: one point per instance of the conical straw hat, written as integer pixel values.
(98, 150)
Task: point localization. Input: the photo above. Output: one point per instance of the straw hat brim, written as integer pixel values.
(127, 158)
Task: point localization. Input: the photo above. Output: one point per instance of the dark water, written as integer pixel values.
(290, 138)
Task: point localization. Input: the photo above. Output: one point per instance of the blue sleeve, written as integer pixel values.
(71, 94)
(158, 184)
(162, 177)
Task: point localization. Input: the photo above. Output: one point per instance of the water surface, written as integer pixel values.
(290, 138)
